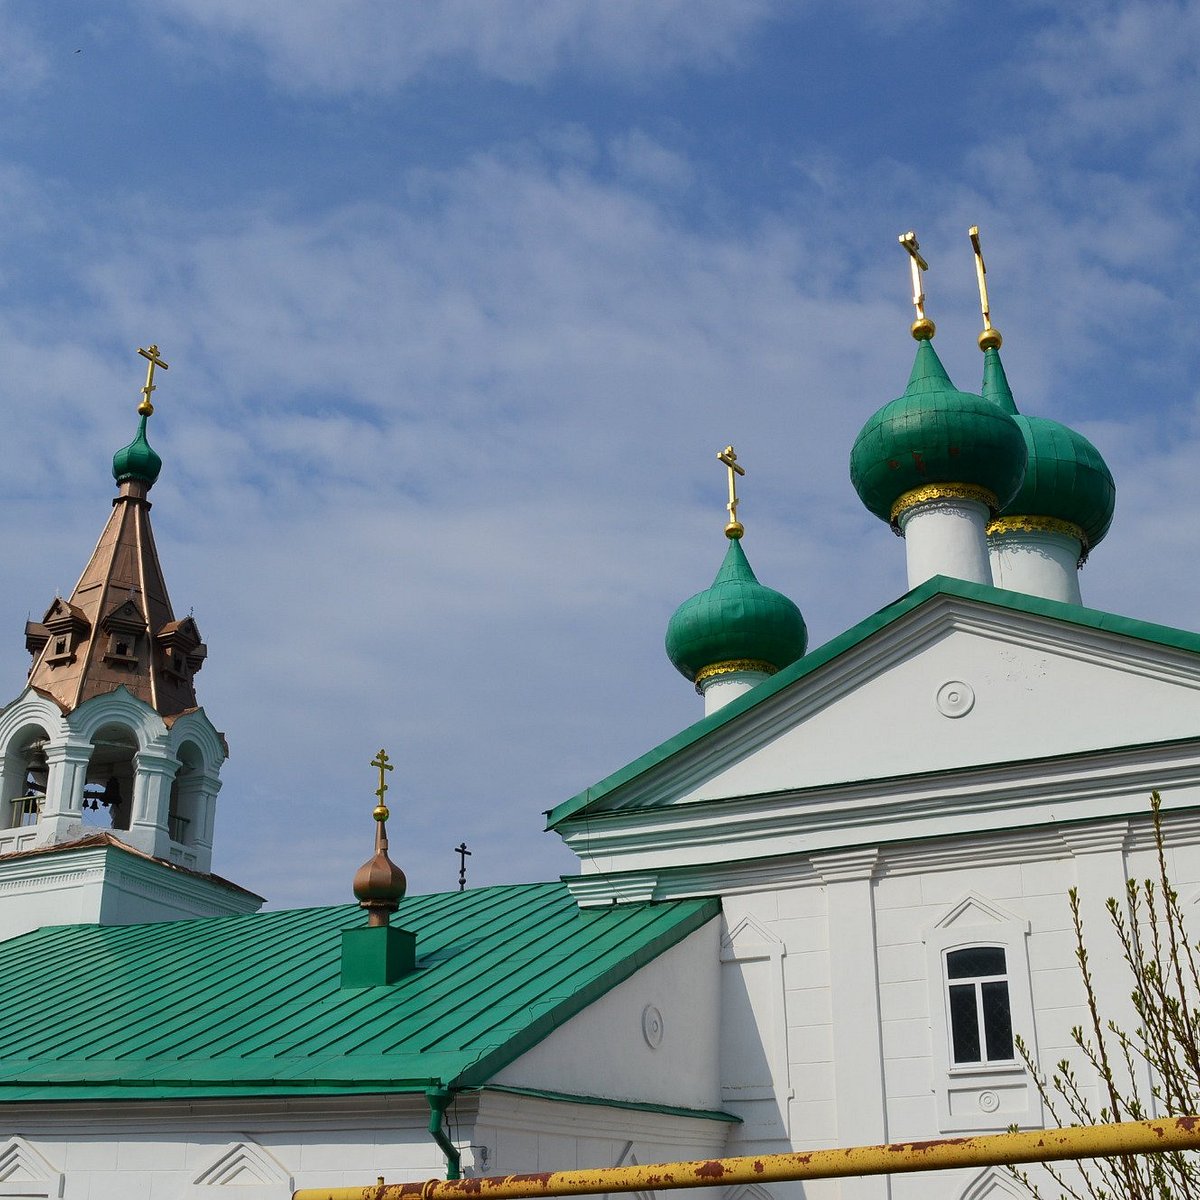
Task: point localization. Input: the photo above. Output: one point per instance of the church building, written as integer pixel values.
(818, 916)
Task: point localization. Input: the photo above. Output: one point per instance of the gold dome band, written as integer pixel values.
(943, 491)
(1002, 525)
(732, 666)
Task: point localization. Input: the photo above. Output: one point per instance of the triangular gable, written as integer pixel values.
(901, 672)
(994, 1183)
(244, 1163)
(973, 910)
(25, 1172)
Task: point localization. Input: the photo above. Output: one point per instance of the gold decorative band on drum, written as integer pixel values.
(732, 666)
(943, 491)
(1002, 525)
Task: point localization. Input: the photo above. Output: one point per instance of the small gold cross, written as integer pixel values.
(922, 327)
(146, 408)
(381, 761)
(728, 456)
(990, 335)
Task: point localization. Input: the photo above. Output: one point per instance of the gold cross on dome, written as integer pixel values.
(381, 761)
(922, 328)
(728, 456)
(990, 335)
(151, 353)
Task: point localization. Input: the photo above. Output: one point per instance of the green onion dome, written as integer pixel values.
(137, 460)
(735, 625)
(935, 441)
(1067, 482)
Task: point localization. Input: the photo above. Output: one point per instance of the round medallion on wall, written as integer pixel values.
(989, 1101)
(652, 1026)
(955, 698)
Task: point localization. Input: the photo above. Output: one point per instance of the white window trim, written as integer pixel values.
(981, 1097)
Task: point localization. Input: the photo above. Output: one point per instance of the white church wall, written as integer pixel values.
(652, 1038)
(520, 1134)
(102, 885)
(260, 1149)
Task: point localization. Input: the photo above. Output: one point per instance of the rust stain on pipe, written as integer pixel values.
(1037, 1145)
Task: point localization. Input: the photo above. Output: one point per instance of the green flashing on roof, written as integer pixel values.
(737, 618)
(670, 1110)
(938, 585)
(138, 460)
(935, 434)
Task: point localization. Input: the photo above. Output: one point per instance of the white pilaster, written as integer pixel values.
(62, 808)
(718, 690)
(854, 996)
(946, 537)
(1038, 563)
(155, 771)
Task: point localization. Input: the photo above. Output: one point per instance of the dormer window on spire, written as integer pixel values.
(125, 628)
(65, 627)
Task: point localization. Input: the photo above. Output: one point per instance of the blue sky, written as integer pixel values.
(460, 299)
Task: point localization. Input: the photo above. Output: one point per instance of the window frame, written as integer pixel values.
(960, 1086)
(976, 982)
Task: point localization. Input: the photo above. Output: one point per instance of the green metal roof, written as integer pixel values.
(939, 585)
(252, 1005)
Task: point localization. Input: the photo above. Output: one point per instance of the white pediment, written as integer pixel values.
(25, 1172)
(246, 1166)
(952, 685)
(972, 911)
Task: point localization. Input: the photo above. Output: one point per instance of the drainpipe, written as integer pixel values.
(439, 1100)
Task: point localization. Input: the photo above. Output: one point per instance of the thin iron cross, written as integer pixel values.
(146, 408)
(463, 854)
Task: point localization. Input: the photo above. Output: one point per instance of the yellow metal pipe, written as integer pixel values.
(1036, 1145)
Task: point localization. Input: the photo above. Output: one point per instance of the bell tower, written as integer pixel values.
(109, 768)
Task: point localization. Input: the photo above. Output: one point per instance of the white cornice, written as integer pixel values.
(1013, 812)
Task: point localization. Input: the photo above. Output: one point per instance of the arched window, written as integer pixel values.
(980, 1011)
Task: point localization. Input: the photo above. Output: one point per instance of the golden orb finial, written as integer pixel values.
(990, 338)
(922, 328)
(734, 528)
(145, 408)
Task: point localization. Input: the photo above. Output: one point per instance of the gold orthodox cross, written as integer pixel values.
(146, 408)
(990, 337)
(381, 761)
(922, 327)
(734, 529)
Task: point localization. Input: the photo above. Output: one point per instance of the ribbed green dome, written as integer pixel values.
(735, 619)
(137, 460)
(1066, 477)
(935, 434)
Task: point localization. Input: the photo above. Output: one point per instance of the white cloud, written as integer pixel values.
(24, 65)
(336, 46)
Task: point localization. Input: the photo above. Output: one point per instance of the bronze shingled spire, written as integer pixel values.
(118, 629)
